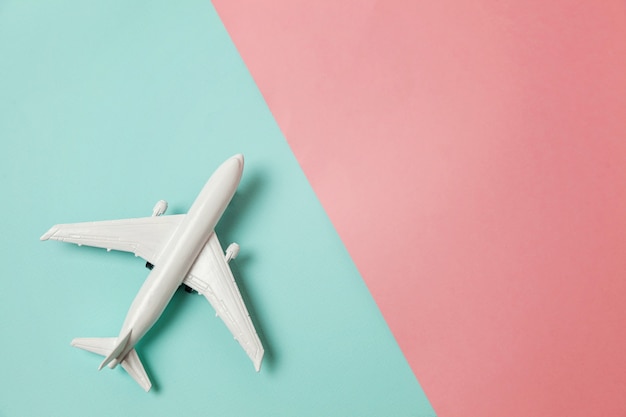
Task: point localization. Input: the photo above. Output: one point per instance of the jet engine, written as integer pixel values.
(159, 208)
(231, 252)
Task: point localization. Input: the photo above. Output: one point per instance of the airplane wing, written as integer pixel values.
(211, 276)
(145, 236)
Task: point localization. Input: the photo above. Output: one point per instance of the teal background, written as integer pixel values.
(106, 107)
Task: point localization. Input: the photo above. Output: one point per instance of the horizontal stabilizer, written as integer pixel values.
(100, 345)
(133, 366)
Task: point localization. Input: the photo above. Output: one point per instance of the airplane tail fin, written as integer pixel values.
(119, 346)
(110, 348)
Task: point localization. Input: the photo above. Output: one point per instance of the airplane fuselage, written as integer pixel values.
(180, 253)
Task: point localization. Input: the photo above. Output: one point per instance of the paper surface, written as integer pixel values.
(472, 158)
(107, 108)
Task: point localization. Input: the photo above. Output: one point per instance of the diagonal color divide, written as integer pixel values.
(107, 107)
(472, 158)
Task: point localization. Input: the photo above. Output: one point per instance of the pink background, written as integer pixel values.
(472, 156)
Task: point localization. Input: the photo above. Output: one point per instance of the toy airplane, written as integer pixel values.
(180, 249)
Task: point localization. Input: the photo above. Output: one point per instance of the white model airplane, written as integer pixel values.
(183, 250)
